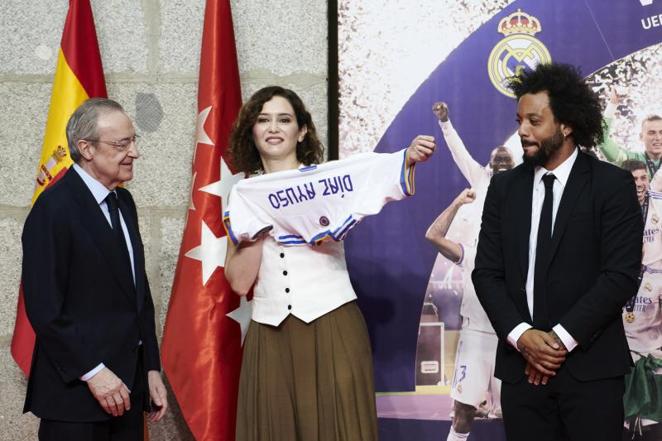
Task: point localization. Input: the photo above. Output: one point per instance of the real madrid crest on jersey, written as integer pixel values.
(517, 51)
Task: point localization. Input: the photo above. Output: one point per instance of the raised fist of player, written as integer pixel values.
(466, 196)
(440, 109)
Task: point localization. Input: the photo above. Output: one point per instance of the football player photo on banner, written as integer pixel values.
(442, 68)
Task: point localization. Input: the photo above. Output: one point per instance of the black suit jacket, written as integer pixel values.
(591, 269)
(81, 300)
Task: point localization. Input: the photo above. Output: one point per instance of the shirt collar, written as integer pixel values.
(562, 172)
(99, 191)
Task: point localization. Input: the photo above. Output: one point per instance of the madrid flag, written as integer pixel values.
(202, 338)
(78, 76)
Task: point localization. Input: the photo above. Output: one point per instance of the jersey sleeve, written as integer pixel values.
(469, 167)
(388, 178)
(243, 220)
(371, 180)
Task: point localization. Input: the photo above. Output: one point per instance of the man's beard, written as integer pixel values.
(547, 148)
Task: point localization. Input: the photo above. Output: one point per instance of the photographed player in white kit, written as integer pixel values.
(466, 226)
(642, 315)
(455, 234)
(473, 381)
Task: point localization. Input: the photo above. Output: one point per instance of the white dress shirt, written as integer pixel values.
(562, 173)
(100, 192)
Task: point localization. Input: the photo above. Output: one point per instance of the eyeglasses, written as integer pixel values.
(121, 145)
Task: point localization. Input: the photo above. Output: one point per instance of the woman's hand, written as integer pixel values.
(420, 149)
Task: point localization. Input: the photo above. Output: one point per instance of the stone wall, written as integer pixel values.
(150, 51)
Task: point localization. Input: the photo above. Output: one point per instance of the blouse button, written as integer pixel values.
(282, 255)
(287, 289)
(289, 306)
(284, 273)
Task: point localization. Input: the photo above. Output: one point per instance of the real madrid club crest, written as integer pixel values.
(518, 51)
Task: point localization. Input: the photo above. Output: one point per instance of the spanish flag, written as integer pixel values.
(78, 76)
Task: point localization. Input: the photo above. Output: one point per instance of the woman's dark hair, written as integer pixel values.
(572, 101)
(245, 156)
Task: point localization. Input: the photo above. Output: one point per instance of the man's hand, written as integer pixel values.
(420, 149)
(158, 395)
(440, 110)
(467, 196)
(535, 376)
(111, 392)
(542, 351)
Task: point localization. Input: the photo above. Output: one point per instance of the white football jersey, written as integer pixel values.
(317, 202)
(652, 251)
(644, 327)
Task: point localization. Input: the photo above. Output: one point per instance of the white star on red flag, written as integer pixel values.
(202, 137)
(211, 252)
(224, 185)
(242, 315)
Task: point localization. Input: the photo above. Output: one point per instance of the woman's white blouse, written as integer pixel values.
(304, 281)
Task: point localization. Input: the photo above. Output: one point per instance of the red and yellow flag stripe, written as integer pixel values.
(78, 76)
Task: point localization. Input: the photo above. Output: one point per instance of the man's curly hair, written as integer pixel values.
(244, 153)
(572, 101)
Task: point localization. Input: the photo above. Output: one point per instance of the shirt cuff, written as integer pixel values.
(517, 332)
(407, 182)
(88, 376)
(569, 342)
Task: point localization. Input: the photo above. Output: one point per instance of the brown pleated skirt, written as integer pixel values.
(308, 382)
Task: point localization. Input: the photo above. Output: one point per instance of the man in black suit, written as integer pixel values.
(558, 256)
(95, 365)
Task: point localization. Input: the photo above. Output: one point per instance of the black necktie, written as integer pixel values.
(113, 209)
(540, 317)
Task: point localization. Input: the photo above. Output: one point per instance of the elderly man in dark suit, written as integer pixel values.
(95, 366)
(558, 256)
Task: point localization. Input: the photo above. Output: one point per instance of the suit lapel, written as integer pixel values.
(97, 225)
(579, 177)
(523, 201)
(136, 245)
